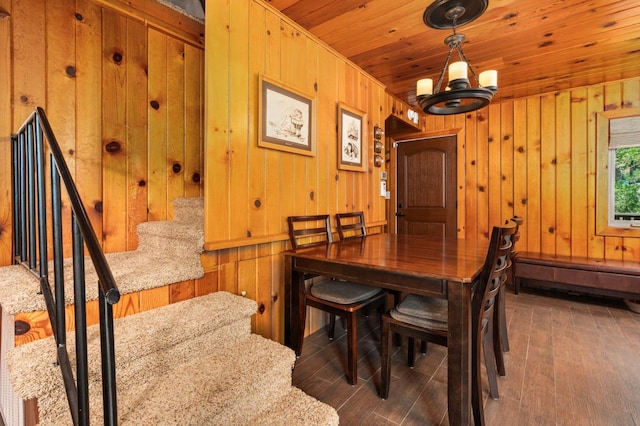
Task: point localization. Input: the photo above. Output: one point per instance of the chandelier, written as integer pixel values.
(458, 96)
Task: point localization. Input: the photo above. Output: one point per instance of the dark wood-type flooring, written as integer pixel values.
(574, 360)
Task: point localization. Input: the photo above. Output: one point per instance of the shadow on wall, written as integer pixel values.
(191, 8)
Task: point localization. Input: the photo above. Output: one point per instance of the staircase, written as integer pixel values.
(194, 362)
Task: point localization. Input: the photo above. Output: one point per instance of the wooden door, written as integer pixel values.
(426, 187)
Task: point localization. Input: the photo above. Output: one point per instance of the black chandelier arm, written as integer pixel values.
(464, 58)
(444, 69)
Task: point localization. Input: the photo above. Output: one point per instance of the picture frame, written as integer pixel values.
(352, 149)
(286, 118)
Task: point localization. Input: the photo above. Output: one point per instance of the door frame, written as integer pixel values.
(394, 140)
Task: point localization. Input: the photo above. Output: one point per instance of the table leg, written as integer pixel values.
(295, 307)
(459, 353)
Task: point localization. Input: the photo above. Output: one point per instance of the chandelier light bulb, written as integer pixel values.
(458, 71)
(489, 79)
(424, 87)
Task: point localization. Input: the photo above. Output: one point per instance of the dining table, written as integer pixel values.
(437, 267)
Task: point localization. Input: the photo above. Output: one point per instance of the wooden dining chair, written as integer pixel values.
(336, 297)
(500, 335)
(351, 225)
(425, 318)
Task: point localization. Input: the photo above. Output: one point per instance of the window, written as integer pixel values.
(624, 176)
(618, 173)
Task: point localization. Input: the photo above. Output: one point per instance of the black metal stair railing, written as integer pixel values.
(31, 239)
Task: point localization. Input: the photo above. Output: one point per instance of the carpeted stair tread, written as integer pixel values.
(188, 209)
(19, 290)
(221, 315)
(179, 238)
(228, 388)
(160, 260)
(296, 408)
(133, 271)
(204, 386)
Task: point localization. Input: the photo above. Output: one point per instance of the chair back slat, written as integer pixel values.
(494, 274)
(308, 231)
(351, 225)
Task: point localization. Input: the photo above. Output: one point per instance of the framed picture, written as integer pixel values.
(351, 138)
(286, 118)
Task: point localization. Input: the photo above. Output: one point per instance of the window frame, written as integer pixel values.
(605, 178)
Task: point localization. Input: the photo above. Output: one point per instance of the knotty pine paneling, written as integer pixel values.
(114, 131)
(88, 109)
(122, 84)
(137, 192)
(250, 190)
(535, 157)
(6, 128)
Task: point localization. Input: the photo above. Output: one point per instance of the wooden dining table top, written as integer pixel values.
(448, 259)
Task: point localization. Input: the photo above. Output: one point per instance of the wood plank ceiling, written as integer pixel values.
(537, 46)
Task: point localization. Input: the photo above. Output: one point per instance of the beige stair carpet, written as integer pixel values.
(168, 252)
(190, 363)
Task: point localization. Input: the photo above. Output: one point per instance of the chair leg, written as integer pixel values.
(423, 347)
(385, 370)
(504, 337)
(352, 347)
(500, 339)
(332, 326)
(397, 297)
(476, 384)
(411, 352)
(490, 363)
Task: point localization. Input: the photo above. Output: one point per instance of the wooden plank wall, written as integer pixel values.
(536, 157)
(122, 84)
(250, 190)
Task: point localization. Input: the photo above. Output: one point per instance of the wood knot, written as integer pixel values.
(21, 328)
(117, 57)
(155, 105)
(195, 177)
(113, 147)
(261, 309)
(71, 71)
(257, 203)
(98, 206)
(176, 168)
(78, 16)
